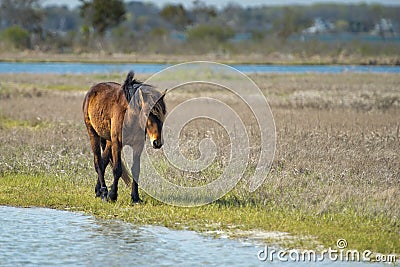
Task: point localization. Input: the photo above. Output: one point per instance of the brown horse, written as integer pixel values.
(112, 110)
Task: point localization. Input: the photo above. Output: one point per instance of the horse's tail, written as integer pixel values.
(125, 175)
(127, 86)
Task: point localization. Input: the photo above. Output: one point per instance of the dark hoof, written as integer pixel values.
(97, 191)
(136, 201)
(113, 196)
(104, 194)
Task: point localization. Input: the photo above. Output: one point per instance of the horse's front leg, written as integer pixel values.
(135, 174)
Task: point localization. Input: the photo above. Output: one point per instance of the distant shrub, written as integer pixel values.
(209, 32)
(257, 36)
(16, 37)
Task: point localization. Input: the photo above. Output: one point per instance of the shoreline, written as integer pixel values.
(252, 59)
(287, 229)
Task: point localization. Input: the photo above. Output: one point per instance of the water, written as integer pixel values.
(76, 68)
(45, 237)
(40, 237)
(146, 68)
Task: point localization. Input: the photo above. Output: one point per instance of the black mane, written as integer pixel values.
(130, 86)
(148, 94)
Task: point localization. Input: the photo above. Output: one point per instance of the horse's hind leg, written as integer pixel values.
(117, 168)
(105, 156)
(98, 163)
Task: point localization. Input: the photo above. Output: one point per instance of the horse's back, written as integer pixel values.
(104, 103)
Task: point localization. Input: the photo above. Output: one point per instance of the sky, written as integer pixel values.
(222, 3)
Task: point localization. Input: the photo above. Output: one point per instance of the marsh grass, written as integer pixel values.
(231, 214)
(6, 122)
(263, 56)
(336, 172)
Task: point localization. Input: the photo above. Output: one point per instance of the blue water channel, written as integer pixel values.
(148, 68)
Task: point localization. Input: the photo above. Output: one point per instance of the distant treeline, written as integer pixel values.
(115, 26)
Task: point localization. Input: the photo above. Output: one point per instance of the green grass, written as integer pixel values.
(7, 123)
(229, 214)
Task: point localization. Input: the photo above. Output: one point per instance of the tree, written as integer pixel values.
(16, 37)
(202, 13)
(175, 14)
(291, 22)
(24, 13)
(103, 14)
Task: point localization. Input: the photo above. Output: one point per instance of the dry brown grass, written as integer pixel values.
(338, 142)
(254, 57)
(338, 138)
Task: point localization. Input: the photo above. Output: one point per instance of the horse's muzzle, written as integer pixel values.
(157, 144)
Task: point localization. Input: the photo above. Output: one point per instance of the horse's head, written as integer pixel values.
(149, 104)
(155, 122)
(156, 116)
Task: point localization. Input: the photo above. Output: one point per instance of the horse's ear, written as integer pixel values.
(130, 76)
(163, 94)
